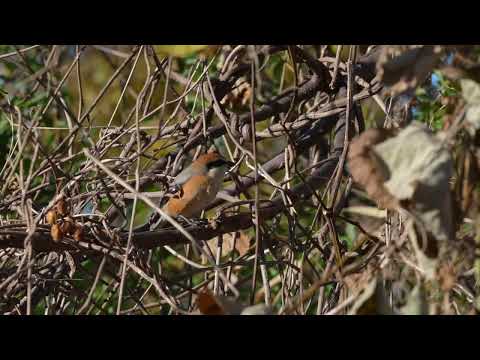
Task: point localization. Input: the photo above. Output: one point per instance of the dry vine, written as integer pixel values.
(70, 204)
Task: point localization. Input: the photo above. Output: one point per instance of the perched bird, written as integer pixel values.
(199, 184)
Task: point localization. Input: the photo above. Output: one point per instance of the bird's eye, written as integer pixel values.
(216, 163)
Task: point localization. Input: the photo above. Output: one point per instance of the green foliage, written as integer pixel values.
(5, 137)
(429, 108)
(179, 50)
(349, 235)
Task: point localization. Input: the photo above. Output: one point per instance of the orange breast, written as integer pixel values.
(197, 194)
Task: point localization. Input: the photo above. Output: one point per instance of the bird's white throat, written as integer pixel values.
(218, 172)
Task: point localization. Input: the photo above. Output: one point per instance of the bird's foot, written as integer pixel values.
(193, 222)
(214, 222)
(175, 191)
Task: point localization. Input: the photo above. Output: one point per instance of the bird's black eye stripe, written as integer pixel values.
(216, 163)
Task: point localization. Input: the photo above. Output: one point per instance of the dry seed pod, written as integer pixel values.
(62, 208)
(78, 234)
(68, 226)
(56, 233)
(51, 217)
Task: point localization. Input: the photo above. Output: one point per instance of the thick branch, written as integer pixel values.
(43, 241)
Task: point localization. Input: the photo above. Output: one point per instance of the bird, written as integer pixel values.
(198, 185)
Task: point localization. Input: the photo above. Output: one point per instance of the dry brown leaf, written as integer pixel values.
(452, 72)
(420, 169)
(447, 277)
(357, 282)
(368, 170)
(71, 264)
(409, 67)
(242, 243)
(208, 305)
(471, 71)
(412, 167)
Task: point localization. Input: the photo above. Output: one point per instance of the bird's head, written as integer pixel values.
(214, 164)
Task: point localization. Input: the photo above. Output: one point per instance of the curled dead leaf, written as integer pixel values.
(420, 169)
(411, 169)
(368, 170)
(208, 305)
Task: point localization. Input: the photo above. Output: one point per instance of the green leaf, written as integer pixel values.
(179, 50)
